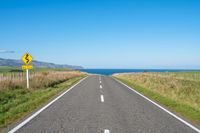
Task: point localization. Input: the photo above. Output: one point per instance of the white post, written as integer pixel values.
(27, 78)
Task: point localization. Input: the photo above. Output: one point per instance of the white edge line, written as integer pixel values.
(102, 98)
(106, 131)
(42, 109)
(172, 114)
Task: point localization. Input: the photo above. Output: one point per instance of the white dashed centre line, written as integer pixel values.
(106, 131)
(102, 98)
(100, 81)
(101, 87)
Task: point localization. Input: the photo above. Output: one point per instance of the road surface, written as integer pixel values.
(100, 104)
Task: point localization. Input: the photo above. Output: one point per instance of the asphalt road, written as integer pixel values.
(100, 104)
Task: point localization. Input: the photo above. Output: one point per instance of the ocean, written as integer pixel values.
(113, 71)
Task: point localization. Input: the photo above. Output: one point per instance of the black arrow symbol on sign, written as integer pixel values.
(27, 60)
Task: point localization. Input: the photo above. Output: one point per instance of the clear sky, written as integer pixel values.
(103, 33)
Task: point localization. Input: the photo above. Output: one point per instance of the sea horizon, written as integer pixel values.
(110, 71)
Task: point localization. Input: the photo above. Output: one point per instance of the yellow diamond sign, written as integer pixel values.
(27, 58)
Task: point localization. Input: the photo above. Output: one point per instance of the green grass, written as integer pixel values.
(17, 103)
(50, 69)
(5, 69)
(184, 110)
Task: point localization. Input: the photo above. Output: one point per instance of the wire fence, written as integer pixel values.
(16, 76)
(13, 80)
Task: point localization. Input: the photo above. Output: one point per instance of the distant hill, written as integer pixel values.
(39, 64)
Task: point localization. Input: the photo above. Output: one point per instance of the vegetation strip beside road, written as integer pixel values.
(15, 103)
(6, 69)
(172, 103)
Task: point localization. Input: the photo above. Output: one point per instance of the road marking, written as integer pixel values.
(167, 111)
(102, 98)
(106, 131)
(100, 81)
(101, 87)
(99, 77)
(42, 109)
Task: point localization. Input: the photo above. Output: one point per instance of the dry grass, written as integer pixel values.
(38, 80)
(183, 88)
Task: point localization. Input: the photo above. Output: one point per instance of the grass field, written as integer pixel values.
(5, 69)
(16, 101)
(180, 92)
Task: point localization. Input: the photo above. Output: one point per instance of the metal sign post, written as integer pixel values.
(27, 78)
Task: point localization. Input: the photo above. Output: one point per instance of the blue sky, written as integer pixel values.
(103, 33)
